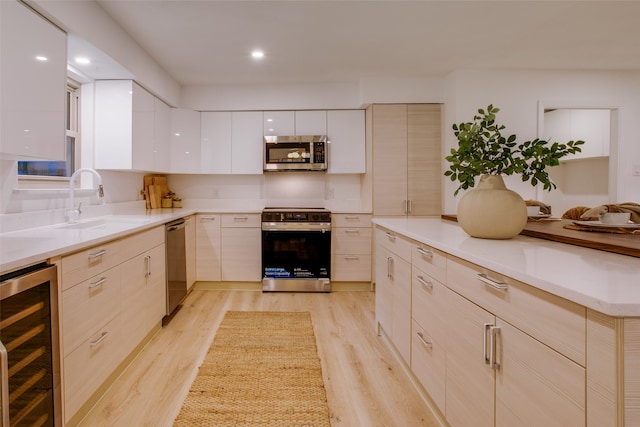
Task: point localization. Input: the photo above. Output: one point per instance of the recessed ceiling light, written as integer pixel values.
(82, 60)
(257, 54)
(41, 58)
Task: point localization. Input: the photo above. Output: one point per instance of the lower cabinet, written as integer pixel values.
(190, 248)
(241, 241)
(351, 248)
(208, 248)
(106, 315)
(490, 351)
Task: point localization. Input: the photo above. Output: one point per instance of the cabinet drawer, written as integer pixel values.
(428, 308)
(351, 220)
(241, 220)
(351, 268)
(88, 366)
(141, 242)
(393, 242)
(88, 306)
(430, 260)
(559, 323)
(89, 262)
(351, 240)
(428, 363)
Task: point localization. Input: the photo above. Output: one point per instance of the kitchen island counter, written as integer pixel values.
(606, 282)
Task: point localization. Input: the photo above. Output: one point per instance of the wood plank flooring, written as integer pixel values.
(365, 383)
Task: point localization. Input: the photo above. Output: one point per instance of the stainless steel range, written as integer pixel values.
(296, 250)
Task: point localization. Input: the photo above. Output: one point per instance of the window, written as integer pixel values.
(69, 165)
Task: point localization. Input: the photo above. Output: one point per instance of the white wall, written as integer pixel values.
(519, 95)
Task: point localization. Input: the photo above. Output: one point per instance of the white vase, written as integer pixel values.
(491, 210)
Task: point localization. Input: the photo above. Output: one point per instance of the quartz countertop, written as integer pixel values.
(603, 281)
(26, 247)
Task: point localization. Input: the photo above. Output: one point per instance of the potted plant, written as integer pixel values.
(491, 210)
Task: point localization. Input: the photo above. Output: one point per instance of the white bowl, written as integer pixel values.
(615, 218)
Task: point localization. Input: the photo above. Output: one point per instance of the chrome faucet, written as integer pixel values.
(74, 213)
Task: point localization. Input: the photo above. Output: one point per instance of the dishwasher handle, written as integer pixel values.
(175, 225)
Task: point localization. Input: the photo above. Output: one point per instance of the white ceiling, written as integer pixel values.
(209, 42)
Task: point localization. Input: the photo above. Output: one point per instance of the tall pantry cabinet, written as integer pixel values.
(407, 170)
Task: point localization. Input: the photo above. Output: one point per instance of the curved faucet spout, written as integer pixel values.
(72, 180)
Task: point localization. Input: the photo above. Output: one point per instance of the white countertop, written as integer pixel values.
(30, 246)
(606, 282)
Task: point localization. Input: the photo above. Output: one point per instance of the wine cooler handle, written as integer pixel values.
(4, 386)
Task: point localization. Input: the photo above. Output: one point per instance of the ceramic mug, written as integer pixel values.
(615, 218)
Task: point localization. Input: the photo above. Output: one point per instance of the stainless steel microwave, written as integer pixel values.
(295, 153)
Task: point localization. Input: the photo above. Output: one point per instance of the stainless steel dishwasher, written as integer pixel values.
(176, 264)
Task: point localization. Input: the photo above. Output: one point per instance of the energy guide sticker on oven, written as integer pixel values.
(276, 272)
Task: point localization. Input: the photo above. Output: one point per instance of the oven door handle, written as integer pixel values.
(318, 229)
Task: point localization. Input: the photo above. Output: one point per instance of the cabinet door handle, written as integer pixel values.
(426, 283)
(97, 283)
(352, 257)
(97, 254)
(352, 230)
(147, 262)
(493, 283)
(102, 337)
(389, 266)
(426, 343)
(409, 206)
(390, 236)
(240, 218)
(424, 252)
(485, 353)
(493, 362)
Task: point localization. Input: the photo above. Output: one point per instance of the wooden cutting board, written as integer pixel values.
(155, 187)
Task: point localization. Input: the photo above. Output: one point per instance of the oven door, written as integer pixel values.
(296, 260)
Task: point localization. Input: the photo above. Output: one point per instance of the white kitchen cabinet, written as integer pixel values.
(125, 127)
(393, 289)
(190, 247)
(32, 112)
(351, 247)
(247, 143)
(208, 249)
(185, 141)
(162, 136)
(407, 170)
(241, 241)
(311, 122)
(113, 295)
(593, 126)
(346, 131)
(232, 142)
(278, 123)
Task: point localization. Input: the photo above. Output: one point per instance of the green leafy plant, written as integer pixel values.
(483, 150)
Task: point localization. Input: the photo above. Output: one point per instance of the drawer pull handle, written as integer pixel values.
(424, 252)
(391, 236)
(103, 336)
(240, 218)
(207, 218)
(351, 230)
(352, 257)
(494, 284)
(426, 283)
(426, 343)
(97, 254)
(352, 218)
(98, 283)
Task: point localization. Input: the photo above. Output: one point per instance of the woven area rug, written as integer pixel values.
(262, 369)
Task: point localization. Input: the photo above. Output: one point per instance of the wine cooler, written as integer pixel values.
(29, 348)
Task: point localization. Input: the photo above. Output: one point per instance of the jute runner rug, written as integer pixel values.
(262, 369)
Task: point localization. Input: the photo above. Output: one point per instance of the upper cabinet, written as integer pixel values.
(232, 142)
(185, 141)
(33, 74)
(593, 126)
(312, 122)
(345, 129)
(277, 123)
(129, 129)
(407, 170)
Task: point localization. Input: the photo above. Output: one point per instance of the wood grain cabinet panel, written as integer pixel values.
(428, 363)
(351, 236)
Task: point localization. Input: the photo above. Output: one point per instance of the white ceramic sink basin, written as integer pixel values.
(103, 223)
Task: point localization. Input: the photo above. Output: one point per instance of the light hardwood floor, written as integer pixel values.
(365, 383)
